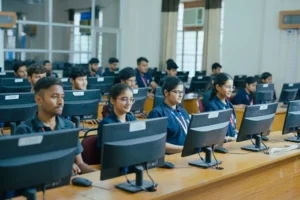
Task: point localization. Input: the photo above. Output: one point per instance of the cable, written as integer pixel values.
(44, 192)
(128, 181)
(218, 167)
(154, 185)
(205, 161)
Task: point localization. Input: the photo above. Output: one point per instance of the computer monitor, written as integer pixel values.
(199, 83)
(159, 75)
(66, 83)
(14, 85)
(17, 108)
(200, 73)
(158, 97)
(257, 120)
(140, 95)
(81, 105)
(205, 131)
(264, 93)
(102, 83)
(239, 81)
(7, 75)
(183, 76)
(292, 121)
(133, 147)
(36, 161)
(289, 92)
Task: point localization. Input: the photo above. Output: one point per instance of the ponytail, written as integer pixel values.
(213, 93)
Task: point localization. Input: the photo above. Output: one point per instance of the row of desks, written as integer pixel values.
(246, 175)
(191, 106)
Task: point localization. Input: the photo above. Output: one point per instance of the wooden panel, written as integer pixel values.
(288, 26)
(191, 106)
(13, 15)
(194, 4)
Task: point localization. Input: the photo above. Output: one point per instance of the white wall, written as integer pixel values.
(253, 43)
(140, 31)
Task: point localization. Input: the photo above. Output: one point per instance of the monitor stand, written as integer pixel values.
(139, 184)
(294, 139)
(30, 194)
(257, 147)
(208, 158)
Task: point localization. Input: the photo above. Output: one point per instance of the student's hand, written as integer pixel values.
(75, 169)
(93, 121)
(135, 87)
(150, 95)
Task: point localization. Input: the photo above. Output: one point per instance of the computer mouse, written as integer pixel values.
(168, 165)
(83, 182)
(220, 150)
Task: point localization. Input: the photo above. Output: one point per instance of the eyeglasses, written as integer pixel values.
(229, 87)
(127, 100)
(177, 92)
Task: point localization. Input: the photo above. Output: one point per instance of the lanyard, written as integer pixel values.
(232, 120)
(43, 129)
(182, 123)
(144, 81)
(251, 102)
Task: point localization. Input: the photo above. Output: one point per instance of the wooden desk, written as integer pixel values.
(245, 176)
(277, 123)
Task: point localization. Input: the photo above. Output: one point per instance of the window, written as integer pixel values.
(63, 39)
(189, 46)
(81, 43)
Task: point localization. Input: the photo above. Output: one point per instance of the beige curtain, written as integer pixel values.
(212, 31)
(169, 31)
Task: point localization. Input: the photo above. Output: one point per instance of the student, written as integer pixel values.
(94, 69)
(50, 73)
(223, 88)
(49, 96)
(112, 67)
(171, 70)
(208, 90)
(121, 98)
(216, 68)
(143, 78)
(178, 118)
(266, 77)
(35, 72)
(128, 76)
(20, 69)
(245, 95)
(78, 79)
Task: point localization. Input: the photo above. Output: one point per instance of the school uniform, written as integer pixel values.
(143, 81)
(178, 122)
(97, 74)
(111, 119)
(216, 104)
(107, 72)
(242, 97)
(35, 125)
(53, 74)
